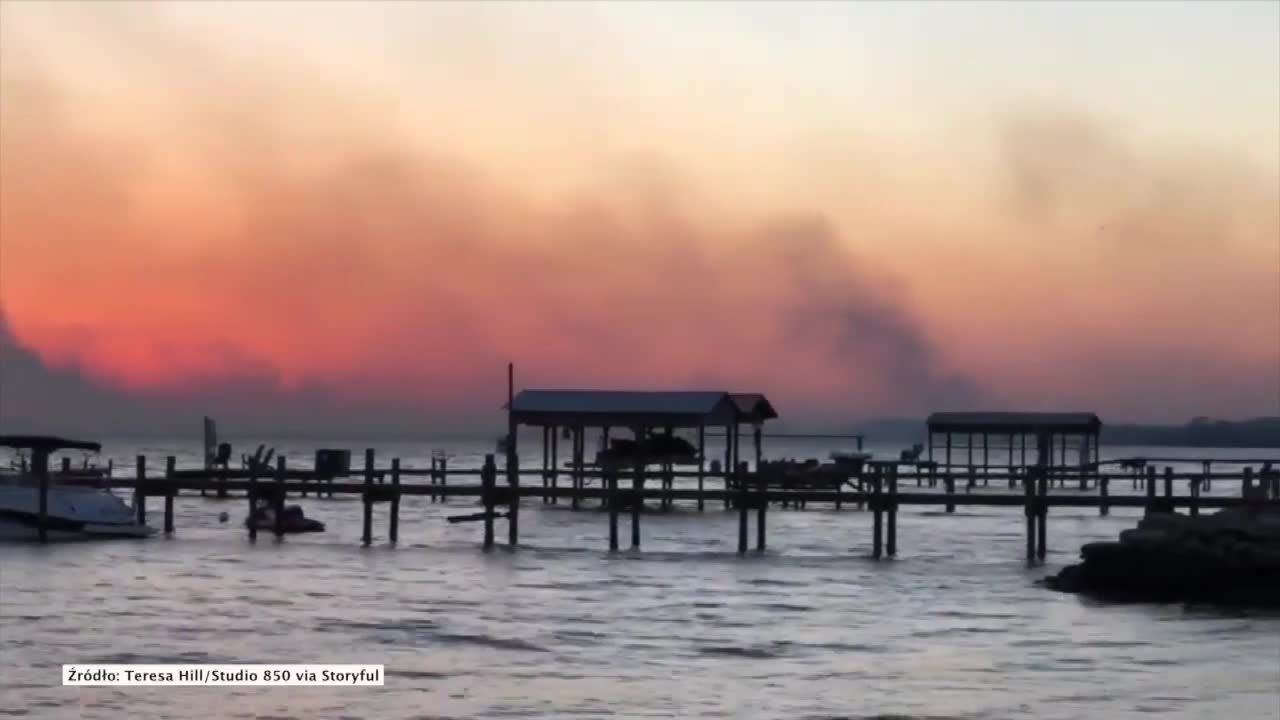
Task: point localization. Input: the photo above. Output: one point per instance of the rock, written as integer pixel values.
(1229, 558)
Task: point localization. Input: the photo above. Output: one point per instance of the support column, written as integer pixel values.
(555, 461)
(702, 461)
(169, 492)
(637, 485)
(986, 458)
(366, 535)
(891, 539)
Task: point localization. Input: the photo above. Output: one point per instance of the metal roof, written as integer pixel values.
(623, 407)
(753, 407)
(1014, 422)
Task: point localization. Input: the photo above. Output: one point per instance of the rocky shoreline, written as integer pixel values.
(1231, 557)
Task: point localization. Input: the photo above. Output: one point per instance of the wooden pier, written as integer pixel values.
(878, 489)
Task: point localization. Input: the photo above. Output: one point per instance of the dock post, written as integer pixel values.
(1168, 487)
(366, 534)
(611, 485)
(66, 465)
(764, 504)
(431, 478)
(513, 503)
(444, 479)
(702, 462)
(951, 491)
(555, 460)
(973, 479)
(1195, 496)
(1042, 524)
(277, 497)
(139, 490)
(488, 478)
(637, 487)
(1103, 489)
(546, 457)
(222, 481)
(742, 506)
(252, 495)
(578, 453)
(169, 492)
(877, 524)
(393, 530)
(891, 539)
(1029, 509)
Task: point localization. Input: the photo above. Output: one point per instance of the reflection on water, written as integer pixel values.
(953, 628)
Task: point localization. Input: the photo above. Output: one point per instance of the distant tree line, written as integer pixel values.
(1261, 432)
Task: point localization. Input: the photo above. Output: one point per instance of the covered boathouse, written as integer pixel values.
(637, 413)
(1052, 433)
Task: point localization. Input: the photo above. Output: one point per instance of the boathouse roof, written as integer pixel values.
(753, 407)
(47, 443)
(1015, 422)
(634, 407)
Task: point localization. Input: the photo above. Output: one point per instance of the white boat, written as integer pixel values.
(73, 511)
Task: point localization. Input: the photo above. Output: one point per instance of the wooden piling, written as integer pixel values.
(611, 483)
(431, 477)
(1168, 487)
(1029, 509)
(488, 481)
(764, 504)
(702, 461)
(444, 478)
(513, 504)
(743, 503)
(546, 458)
(1103, 489)
(637, 485)
(277, 497)
(891, 507)
(951, 491)
(366, 533)
(1195, 496)
(169, 464)
(393, 529)
(877, 524)
(555, 467)
(579, 451)
(66, 465)
(252, 495)
(139, 492)
(1042, 524)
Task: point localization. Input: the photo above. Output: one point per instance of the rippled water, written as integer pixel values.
(953, 628)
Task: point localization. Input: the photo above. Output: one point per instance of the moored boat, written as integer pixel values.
(72, 511)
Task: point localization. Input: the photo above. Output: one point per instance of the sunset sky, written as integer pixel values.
(860, 209)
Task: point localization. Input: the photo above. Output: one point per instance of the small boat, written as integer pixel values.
(292, 520)
(74, 510)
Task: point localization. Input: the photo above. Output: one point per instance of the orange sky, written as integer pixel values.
(390, 202)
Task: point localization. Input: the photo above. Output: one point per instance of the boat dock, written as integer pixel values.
(880, 489)
(652, 465)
